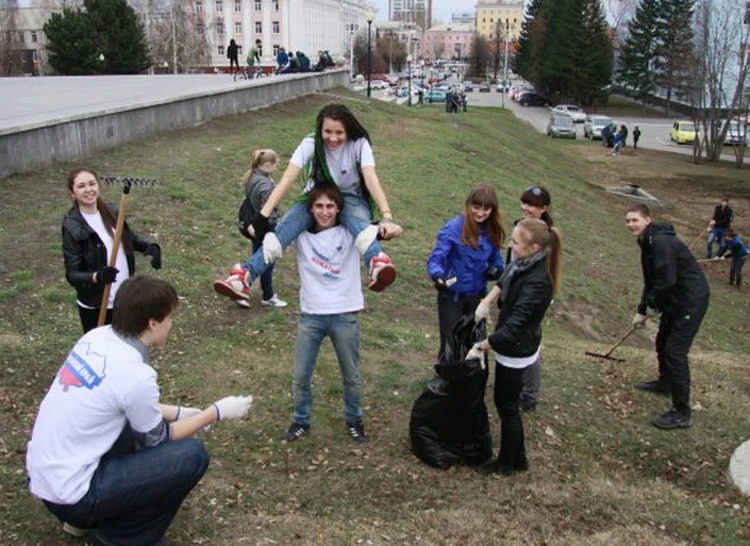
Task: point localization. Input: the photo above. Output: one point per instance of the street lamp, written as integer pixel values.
(369, 16)
(351, 27)
(408, 91)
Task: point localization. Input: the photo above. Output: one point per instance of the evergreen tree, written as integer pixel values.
(675, 53)
(552, 59)
(71, 43)
(120, 36)
(523, 60)
(589, 56)
(641, 47)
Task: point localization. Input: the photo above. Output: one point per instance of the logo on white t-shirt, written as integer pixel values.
(82, 371)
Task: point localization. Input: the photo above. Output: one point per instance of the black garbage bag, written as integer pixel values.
(449, 423)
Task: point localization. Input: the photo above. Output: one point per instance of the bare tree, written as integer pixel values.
(173, 36)
(720, 76)
(11, 44)
(620, 11)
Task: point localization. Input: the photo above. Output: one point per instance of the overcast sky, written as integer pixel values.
(441, 9)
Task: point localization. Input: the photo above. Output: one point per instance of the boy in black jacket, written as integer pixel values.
(674, 285)
(719, 224)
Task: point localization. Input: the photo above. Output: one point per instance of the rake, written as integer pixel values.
(606, 356)
(127, 183)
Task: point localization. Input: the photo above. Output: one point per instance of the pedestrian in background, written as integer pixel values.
(636, 137)
(738, 252)
(282, 59)
(232, 55)
(719, 224)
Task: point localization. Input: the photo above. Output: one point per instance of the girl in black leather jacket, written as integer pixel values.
(87, 235)
(526, 289)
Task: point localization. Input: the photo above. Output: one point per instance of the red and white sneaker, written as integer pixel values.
(235, 285)
(382, 273)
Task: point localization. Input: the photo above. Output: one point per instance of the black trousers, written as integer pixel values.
(676, 333)
(508, 383)
(90, 318)
(450, 311)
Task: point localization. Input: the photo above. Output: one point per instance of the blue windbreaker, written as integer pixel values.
(468, 265)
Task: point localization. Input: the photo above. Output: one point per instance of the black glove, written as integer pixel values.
(154, 251)
(261, 225)
(440, 285)
(106, 275)
(493, 273)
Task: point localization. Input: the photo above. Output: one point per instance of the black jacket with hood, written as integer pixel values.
(84, 253)
(673, 280)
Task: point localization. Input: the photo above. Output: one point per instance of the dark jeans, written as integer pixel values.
(134, 495)
(735, 269)
(676, 333)
(234, 65)
(450, 311)
(90, 318)
(266, 278)
(507, 397)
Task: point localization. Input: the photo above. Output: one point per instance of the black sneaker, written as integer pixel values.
(528, 405)
(673, 419)
(295, 432)
(654, 387)
(357, 431)
(496, 467)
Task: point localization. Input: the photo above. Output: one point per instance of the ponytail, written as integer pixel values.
(547, 238)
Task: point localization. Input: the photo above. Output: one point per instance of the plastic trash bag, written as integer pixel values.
(449, 423)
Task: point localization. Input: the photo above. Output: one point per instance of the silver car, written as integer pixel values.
(561, 127)
(592, 127)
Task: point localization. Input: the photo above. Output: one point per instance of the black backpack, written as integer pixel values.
(245, 217)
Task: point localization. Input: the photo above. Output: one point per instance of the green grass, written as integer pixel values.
(600, 474)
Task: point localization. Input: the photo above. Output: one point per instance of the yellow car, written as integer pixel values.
(683, 132)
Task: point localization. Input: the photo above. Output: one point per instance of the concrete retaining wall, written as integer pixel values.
(42, 145)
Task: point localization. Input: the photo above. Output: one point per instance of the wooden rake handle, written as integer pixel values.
(115, 249)
(622, 340)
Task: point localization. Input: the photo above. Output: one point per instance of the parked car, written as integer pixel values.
(468, 86)
(561, 127)
(484, 87)
(578, 115)
(532, 98)
(379, 84)
(683, 132)
(516, 90)
(735, 136)
(592, 127)
(503, 86)
(434, 96)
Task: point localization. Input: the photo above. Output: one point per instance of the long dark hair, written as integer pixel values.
(485, 196)
(354, 131)
(108, 216)
(539, 196)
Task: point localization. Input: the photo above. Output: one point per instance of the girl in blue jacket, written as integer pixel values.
(466, 256)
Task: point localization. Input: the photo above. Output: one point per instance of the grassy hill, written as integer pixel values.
(600, 473)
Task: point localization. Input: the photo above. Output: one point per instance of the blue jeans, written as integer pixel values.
(134, 495)
(266, 278)
(343, 329)
(355, 216)
(717, 234)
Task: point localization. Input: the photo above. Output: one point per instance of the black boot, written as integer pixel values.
(654, 387)
(674, 418)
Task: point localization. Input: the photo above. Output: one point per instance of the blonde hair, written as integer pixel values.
(537, 232)
(261, 156)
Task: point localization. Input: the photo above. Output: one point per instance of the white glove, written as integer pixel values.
(184, 412)
(482, 311)
(651, 312)
(232, 407)
(271, 248)
(476, 353)
(639, 320)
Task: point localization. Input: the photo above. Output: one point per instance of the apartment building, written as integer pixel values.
(499, 16)
(411, 11)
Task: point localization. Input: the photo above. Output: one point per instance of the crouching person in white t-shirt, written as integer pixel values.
(330, 300)
(105, 455)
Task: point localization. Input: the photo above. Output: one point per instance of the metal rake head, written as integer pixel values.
(604, 357)
(130, 181)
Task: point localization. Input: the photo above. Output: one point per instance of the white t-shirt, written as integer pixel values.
(95, 222)
(103, 384)
(518, 361)
(328, 264)
(342, 163)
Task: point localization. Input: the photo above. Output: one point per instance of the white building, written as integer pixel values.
(295, 25)
(411, 11)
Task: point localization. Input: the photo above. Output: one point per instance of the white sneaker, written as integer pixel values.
(274, 302)
(244, 304)
(75, 531)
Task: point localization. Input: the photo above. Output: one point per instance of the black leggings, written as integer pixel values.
(90, 318)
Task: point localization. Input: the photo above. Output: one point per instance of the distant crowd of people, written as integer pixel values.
(286, 63)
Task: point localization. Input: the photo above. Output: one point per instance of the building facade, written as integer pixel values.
(448, 41)
(502, 17)
(411, 11)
